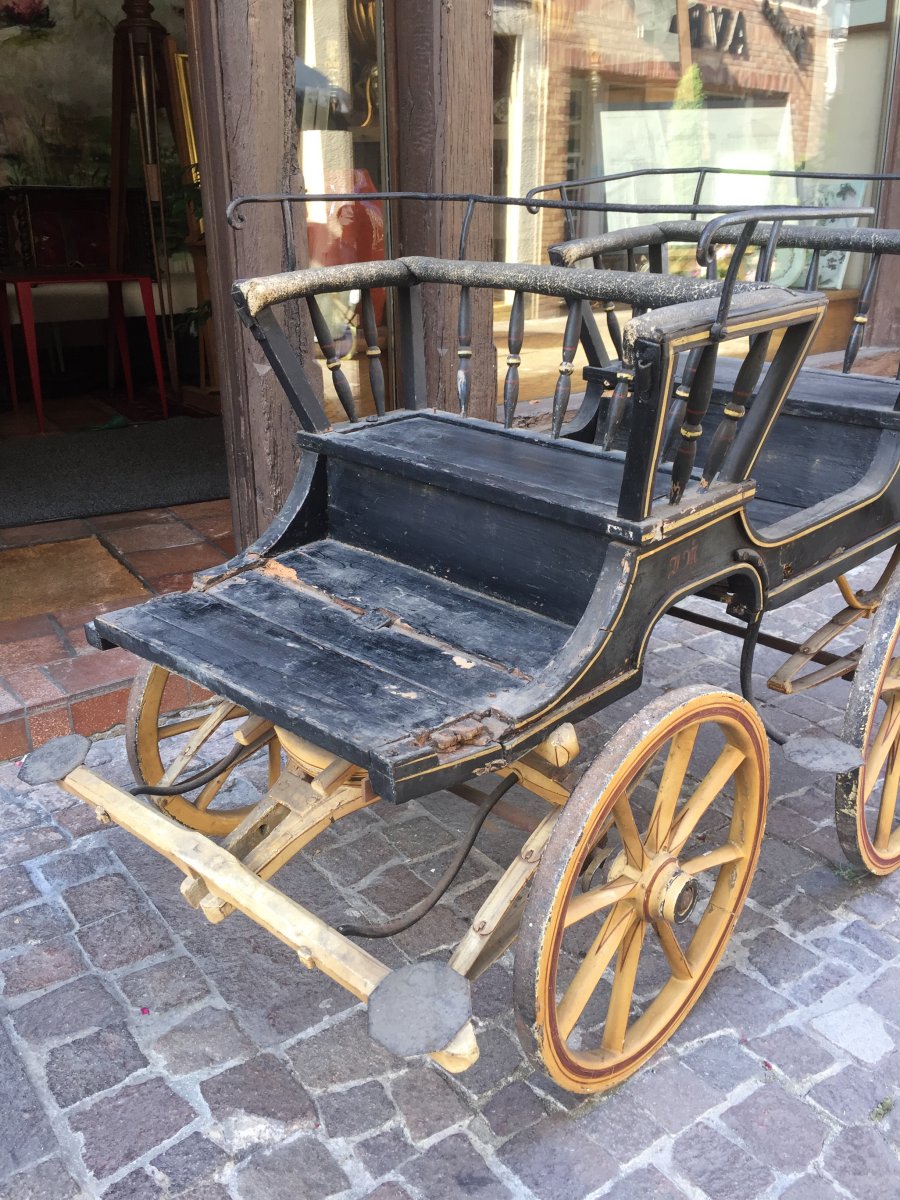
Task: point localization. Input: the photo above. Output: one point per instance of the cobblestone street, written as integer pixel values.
(146, 1053)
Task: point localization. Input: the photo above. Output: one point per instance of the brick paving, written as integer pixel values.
(145, 1053)
(51, 681)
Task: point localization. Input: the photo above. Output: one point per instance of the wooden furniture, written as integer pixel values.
(56, 235)
(442, 596)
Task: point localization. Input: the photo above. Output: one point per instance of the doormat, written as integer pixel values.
(67, 475)
(39, 579)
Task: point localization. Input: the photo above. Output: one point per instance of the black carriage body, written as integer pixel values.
(440, 592)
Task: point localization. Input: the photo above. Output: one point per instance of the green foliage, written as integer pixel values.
(689, 92)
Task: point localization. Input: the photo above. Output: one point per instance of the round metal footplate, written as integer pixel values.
(54, 760)
(419, 1009)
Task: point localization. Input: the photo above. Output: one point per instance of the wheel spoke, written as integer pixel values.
(681, 968)
(888, 800)
(680, 751)
(584, 904)
(709, 788)
(217, 717)
(617, 1014)
(178, 727)
(885, 740)
(721, 856)
(590, 970)
(211, 790)
(628, 832)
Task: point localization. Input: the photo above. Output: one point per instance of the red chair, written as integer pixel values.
(58, 235)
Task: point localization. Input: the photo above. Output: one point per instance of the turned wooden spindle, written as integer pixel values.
(735, 407)
(861, 318)
(618, 403)
(373, 352)
(566, 367)
(692, 426)
(812, 274)
(332, 360)
(464, 351)
(678, 404)
(513, 358)
(615, 329)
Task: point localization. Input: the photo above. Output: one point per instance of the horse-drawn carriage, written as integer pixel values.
(443, 598)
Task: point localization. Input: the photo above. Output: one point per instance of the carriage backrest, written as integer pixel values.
(683, 312)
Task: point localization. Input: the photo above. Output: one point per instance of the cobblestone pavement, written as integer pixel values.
(145, 1053)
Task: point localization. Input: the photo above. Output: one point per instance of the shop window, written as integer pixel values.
(600, 87)
(341, 151)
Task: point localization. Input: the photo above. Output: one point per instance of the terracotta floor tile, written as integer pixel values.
(155, 536)
(32, 687)
(90, 672)
(51, 723)
(31, 651)
(202, 509)
(214, 528)
(77, 618)
(99, 713)
(127, 520)
(150, 564)
(25, 627)
(45, 531)
(171, 583)
(13, 739)
(10, 705)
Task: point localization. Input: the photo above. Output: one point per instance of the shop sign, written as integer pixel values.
(794, 37)
(713, 27)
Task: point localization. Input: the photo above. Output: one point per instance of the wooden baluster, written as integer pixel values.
(618, 403)
(862, 314)
(373, 352)
(692, 426)
(678, 405)
(464, 351)
(812, 275)
(332, 361)
(514, 341)
(566, 367)
(612, 324)
(736, 407)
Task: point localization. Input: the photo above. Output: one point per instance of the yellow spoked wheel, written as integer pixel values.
(163, 753)
(865, 811)
(640, 885)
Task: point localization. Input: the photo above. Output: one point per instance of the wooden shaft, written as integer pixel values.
(373, 351)
(862, 314)
(514, 341)
(316, 944)
(332, 360)
(564, 381)
(464, 351)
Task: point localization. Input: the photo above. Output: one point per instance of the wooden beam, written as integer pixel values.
(241, 58)
(439, 106)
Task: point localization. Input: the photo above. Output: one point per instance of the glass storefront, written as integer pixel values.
(341, 150)
(601, 87)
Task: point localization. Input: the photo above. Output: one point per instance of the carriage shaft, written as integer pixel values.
(315, 942)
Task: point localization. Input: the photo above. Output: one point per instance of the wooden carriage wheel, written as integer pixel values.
(865, 800)
(146, 733)
(640, 885)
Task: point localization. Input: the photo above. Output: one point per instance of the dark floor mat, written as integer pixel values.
(84, 474)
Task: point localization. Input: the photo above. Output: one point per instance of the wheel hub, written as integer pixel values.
(662, 891)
